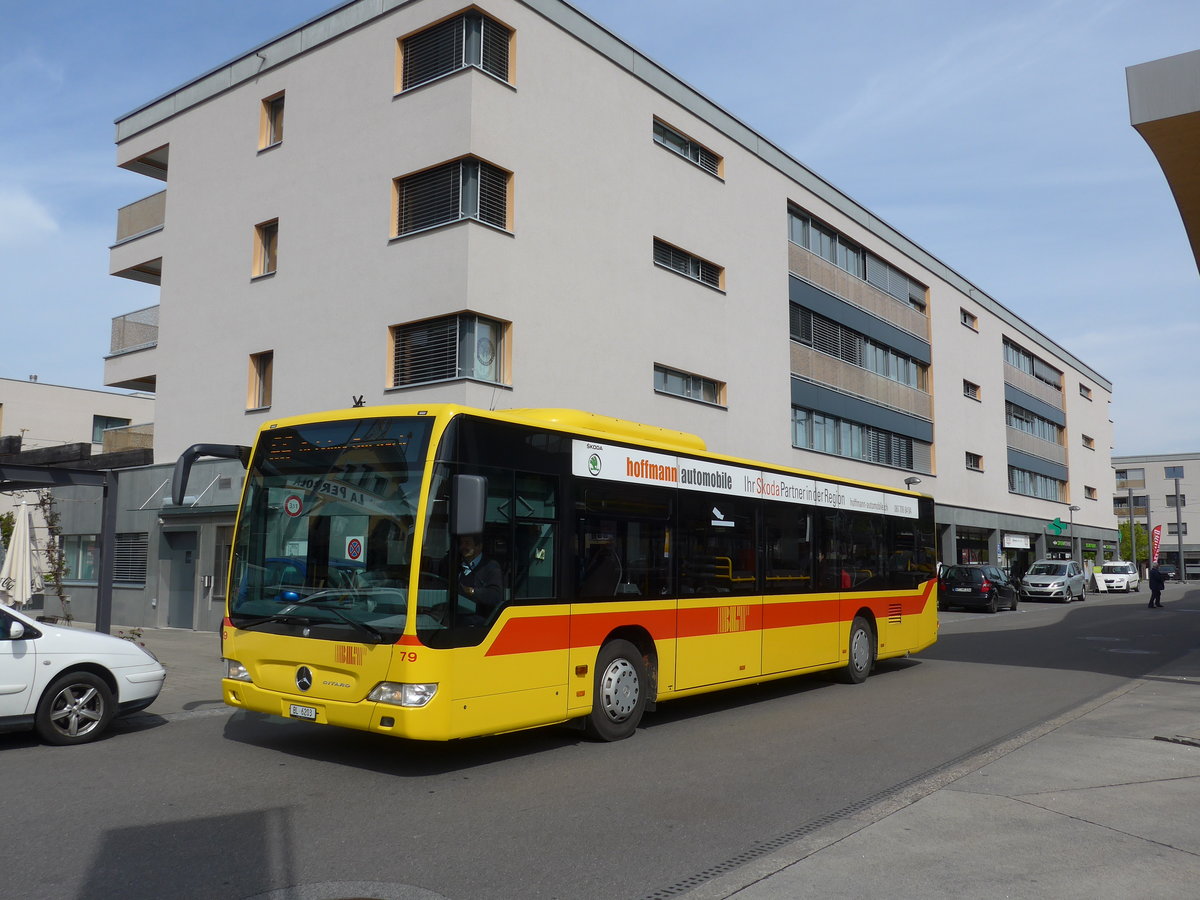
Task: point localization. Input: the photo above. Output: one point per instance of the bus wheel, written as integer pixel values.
(619, 692)
(862, 652)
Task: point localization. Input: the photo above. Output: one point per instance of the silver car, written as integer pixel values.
(1054, 579)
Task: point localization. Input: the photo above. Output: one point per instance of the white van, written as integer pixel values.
(1118, 575)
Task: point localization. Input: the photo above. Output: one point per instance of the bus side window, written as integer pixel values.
(789, 551)
(717, 545)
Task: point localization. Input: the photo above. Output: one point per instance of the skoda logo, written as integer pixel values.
(594, 464)
(304, 678)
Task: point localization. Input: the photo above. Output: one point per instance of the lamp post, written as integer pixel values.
(1181, 572)
(1132, 545)
(1073, 510)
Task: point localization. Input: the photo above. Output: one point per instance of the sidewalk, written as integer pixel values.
(1103, 802)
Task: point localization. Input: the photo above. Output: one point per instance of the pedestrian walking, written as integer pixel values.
(1157, 583)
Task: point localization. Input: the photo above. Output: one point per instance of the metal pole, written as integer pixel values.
(1074, 558)
(1182, 570)
(108, 531)
(1132, 546)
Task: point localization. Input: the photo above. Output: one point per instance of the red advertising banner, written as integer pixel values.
(1155, 541)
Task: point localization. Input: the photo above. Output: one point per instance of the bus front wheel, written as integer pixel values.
(862, 652)
(619, 692)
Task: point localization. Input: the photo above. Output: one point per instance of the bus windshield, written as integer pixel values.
(324, 545)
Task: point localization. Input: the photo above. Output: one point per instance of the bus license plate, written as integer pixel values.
(302, 712)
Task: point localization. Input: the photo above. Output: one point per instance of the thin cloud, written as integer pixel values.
(22, 217)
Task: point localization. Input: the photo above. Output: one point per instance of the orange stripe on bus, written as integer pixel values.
(534, 634)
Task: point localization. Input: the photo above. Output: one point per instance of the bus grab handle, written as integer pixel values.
(183, 465)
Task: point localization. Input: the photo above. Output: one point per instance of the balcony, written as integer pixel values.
(1035, 446)
(137, 253)
(132, 362)
(841, 283)
(152, 164)
(129, 437)
(1034, 387)
(850, 379)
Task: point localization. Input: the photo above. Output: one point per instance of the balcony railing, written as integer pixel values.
(146, 215)
(135, 331)
(1034, 387)
(1035, 446)
(841, 283)
(850, 379)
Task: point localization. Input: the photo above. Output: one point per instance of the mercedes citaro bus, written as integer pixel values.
(622, 565)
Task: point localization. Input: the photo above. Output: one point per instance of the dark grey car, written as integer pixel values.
(978, 586)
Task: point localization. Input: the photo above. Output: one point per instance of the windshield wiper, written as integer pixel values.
(277, 617)
(369, 630)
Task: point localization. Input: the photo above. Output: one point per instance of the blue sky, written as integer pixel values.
(996, 136)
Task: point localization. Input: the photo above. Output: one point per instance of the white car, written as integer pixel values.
(68, 683)
(1120, 576)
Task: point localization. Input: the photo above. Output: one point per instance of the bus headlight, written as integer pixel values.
(236, 671)
(398, 694)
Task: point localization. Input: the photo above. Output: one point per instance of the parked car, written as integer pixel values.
(1120, 576)
(981, 586)
(1054, 579)
(68, 684)
(1168, 571)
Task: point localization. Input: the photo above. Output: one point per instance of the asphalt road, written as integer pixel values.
(211, 803)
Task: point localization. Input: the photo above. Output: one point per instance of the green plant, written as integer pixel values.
(56, 559)
(1141, 542)
(134, 635)
(6, 527)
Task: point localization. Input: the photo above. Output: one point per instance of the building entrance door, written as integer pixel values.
(181, 580)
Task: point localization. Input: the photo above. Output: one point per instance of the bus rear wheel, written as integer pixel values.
(618, 693)
(862, 652)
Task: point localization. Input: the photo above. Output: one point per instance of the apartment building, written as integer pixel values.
(1153, 491)
(505, 205)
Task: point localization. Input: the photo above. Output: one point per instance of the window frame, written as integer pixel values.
(266, 249)
(260, 380)
(692, 381)
(688, 148)
(270, 123)
(468, 180)
(401, 335)
(968, 318)
(974, 461)
(469, 50)
(692, 267)
(972, 391)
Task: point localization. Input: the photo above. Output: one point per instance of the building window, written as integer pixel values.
(471, 40)
(822, 433)
(270, 127)
(258, 393)
(1023, 420)
(1084, 391)
(1127, 478)
(1173, 528)
(129, 558)
(970, 389)
(101, 423)
(79, 555)
(836, 340)
(464, 189)
(1174, 500)
(448, 349)
(1169, 472)
(1020, 358)
(1031, 484)
(974, 462)
(1140, 502)
(969, 319)
(693, 387)
(687, 148)
(266, 248)
(1089, 493)
(819, 238)
(1089, 442)
(685, 264)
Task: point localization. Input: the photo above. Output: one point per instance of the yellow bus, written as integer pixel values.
(439, 572)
